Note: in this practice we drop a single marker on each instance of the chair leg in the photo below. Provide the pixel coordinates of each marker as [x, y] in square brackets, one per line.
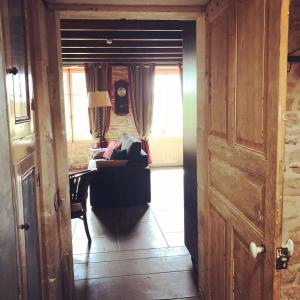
[86, 228]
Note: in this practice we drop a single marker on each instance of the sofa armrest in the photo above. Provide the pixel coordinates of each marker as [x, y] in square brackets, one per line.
[114, 163]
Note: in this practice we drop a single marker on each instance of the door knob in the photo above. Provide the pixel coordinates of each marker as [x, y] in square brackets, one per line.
[25, 226]
[255, 250]
[290, 246]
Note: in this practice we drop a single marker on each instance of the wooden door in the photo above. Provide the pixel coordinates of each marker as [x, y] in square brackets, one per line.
[247, 42]
[22, 141]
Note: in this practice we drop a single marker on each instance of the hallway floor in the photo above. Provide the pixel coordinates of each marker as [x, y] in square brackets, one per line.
[137, 253]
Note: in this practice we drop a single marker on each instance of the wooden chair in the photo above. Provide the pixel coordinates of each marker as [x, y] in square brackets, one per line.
[79, 184]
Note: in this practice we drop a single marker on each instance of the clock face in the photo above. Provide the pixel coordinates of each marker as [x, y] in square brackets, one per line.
[121, 91]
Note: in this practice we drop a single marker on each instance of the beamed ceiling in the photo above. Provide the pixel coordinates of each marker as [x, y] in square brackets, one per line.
[121, 41]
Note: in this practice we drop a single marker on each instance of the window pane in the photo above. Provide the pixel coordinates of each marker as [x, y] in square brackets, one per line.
[67, 105]
[76, 105]
[78, 82]
[167, 108]
[81, 128]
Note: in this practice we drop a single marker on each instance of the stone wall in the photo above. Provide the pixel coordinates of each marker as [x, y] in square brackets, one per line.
[291, 194]
[124, 123]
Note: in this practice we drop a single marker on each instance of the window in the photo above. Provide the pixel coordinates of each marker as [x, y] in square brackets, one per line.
[76, 104]
[167, 106]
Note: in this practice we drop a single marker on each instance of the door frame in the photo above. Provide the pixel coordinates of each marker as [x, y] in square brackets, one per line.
[57, 12]
[9, 280]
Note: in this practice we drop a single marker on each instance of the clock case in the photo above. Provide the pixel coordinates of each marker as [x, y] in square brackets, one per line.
[121, 101]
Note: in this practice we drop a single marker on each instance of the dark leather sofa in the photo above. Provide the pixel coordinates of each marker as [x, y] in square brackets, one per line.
[126, 185]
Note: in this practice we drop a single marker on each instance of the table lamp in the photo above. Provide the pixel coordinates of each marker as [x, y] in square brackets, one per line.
[99, 99]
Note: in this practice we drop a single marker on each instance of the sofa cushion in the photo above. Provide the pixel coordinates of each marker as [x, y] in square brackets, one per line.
[140, 161]
[119, 154]
[109, 150]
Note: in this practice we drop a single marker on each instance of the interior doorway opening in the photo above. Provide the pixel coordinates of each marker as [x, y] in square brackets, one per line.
[141, 230]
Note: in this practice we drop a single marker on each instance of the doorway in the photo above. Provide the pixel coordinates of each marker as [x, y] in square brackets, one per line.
[171, 238]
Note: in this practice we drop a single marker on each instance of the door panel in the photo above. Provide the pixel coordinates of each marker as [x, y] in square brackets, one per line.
[247, 273]
[31, 242]
[250, 85]
[218, 251]
[219, 65]
[245, 74]
[233, 182]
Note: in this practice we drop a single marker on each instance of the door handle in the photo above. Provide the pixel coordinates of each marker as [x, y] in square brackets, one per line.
[24, 226]
[290, 246]
[255, 250]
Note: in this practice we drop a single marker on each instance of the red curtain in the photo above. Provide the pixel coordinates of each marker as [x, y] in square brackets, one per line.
[141, 90]
[98, 78]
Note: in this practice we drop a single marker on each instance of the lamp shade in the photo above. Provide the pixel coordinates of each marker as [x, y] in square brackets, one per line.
[99, 99]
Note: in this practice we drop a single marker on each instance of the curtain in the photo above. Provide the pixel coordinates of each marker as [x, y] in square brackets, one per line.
[98, 78]
[141, 82]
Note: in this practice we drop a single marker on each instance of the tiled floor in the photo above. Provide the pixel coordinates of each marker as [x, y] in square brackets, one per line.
[137, 253]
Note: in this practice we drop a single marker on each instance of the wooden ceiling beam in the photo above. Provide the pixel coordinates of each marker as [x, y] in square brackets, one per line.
[120, 44]
[122, 35]
[129, 50]
[124, 57]
[123, 62]
[112, 25]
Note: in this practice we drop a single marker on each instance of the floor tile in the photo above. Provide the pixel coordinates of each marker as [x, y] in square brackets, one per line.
[170, 222]
[96, 229]
[175, 239]
[131, 254]
[132, 267]
[102, 244]
[138, 287]
[73, 225]
[146, 235]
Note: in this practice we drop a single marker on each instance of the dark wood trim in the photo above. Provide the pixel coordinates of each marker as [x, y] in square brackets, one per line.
[129, 50]
[122, 56]
[122, 35]
[168, 62]
[117, 43]
[125, 25]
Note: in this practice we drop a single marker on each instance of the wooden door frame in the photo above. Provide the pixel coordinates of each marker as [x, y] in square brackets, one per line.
[9, 280]
[57, 12]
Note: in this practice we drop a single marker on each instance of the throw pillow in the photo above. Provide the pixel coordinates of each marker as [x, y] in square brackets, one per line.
[109, 150]
[119, 154]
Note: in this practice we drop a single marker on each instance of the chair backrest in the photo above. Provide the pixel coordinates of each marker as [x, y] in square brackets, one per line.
[79, 184]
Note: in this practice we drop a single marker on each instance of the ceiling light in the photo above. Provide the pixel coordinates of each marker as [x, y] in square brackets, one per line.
[109, 41]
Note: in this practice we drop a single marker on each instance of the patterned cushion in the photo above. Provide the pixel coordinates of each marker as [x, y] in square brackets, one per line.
[109, 150]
